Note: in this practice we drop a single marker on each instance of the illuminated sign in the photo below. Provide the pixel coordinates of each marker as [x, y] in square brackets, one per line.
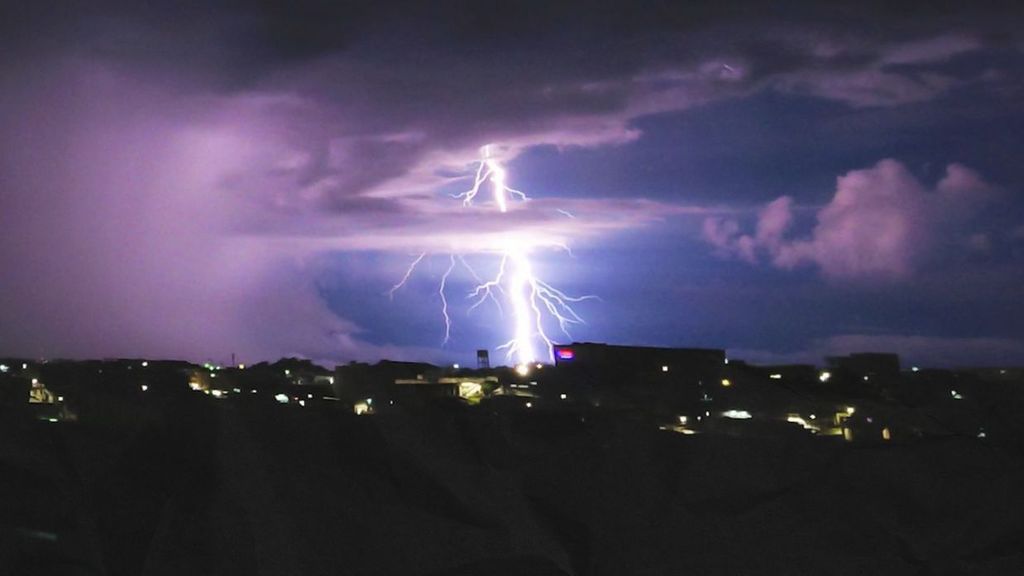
[565, 353]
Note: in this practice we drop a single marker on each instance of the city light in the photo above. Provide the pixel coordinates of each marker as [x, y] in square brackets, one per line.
[726, 383]
[470, 390]
[282, 398]
[775, 376]
[522, 369]
[145, 363]
[825, 376]
[796, 419]
[664, 368]
[144, 387]
[737, 414]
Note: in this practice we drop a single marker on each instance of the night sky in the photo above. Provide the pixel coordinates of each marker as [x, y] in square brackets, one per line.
[784, 181]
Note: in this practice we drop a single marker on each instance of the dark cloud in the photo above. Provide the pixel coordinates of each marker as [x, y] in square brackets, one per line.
[152, 152]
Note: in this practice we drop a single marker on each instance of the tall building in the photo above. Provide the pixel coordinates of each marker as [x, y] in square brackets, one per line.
[867, 365]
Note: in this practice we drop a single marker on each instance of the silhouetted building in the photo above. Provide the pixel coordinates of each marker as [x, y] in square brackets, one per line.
[867, 365]
[640, 360]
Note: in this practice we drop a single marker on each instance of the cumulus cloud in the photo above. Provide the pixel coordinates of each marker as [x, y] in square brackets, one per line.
[881, 224]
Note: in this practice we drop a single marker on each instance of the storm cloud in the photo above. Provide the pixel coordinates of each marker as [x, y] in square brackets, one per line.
[174, 177]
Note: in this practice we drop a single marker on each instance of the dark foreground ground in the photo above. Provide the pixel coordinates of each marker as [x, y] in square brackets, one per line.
[204, 486]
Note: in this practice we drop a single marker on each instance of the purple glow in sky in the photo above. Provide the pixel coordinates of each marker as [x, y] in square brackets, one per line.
[196, 181]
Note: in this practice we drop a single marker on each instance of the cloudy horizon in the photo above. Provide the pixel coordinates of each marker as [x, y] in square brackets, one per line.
[224, 178]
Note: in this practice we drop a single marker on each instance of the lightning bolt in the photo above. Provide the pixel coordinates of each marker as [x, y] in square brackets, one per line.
[531, 299]
[490, 169]
[444, 300]
[408, 273]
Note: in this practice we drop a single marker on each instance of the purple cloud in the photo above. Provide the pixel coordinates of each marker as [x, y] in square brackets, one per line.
[172, 183]
[881, 224]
